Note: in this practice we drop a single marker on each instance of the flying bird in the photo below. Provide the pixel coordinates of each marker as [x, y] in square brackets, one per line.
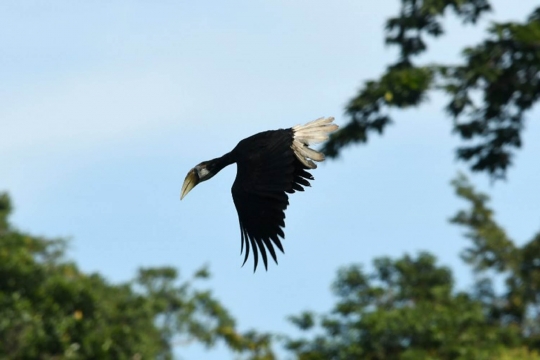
[270, 165]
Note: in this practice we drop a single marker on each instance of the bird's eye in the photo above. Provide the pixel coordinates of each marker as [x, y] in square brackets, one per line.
[202, 172]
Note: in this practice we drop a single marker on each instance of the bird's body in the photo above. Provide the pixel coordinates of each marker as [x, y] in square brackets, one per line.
[270, 165]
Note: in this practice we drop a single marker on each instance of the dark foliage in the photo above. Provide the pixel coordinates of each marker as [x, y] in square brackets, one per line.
[49, 309]
[408, 308]
[503, 71]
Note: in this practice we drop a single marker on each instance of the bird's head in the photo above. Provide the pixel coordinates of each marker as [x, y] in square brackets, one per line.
[199, 173]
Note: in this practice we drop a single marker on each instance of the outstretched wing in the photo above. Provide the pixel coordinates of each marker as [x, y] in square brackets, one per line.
[268, 169]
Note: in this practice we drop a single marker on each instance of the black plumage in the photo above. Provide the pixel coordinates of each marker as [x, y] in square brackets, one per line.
[270, 165]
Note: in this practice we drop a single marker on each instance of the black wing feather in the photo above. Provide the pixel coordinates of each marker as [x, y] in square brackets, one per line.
[267, 170]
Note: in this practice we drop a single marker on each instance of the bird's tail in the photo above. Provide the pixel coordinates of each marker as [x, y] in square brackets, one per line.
[313, 132]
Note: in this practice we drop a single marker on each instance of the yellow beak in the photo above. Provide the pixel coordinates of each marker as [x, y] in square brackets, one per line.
[191, 180]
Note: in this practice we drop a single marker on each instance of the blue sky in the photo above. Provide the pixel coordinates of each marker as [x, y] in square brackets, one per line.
[105, 106]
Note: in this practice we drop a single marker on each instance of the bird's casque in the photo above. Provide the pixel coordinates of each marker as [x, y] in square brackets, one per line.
[270, 165]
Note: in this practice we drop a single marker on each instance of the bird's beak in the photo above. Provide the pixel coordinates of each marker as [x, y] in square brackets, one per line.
[191, 180]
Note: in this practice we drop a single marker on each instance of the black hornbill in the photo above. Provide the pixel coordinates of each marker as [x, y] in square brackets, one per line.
[270, 164]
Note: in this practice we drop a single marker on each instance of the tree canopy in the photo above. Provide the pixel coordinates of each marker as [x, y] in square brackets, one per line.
[49, 309]
[405, 308]
[409, 308]
[489, 93]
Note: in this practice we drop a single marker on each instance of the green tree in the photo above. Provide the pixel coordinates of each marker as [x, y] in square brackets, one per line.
[49, 309]
[503, 71]
[494, 255]
[409, 309]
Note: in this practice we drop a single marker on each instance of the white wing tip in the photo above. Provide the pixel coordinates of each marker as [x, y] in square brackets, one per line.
[313, 132]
